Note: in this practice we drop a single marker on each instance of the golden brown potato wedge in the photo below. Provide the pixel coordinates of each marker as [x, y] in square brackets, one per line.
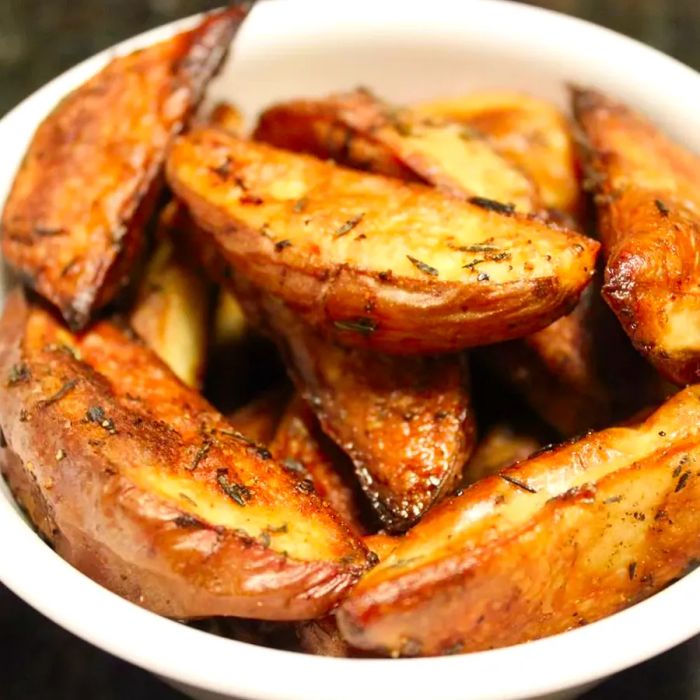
[300, 445]
[503, 444]
[171, 311]
[579, 373]
[406, 422]
[73, 222]
[122, 453]
[564, 538]
[531, 133]
[359, 130]
[648, 200]
[374, 260]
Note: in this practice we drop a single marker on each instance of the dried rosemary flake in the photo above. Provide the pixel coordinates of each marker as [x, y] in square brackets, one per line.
[238, 493]
[423, 267]
[661, 206]
[363, 325]
[61, 393]
[517, 483]
[348, 226]
[201, 453]
[493, 205]
[300, 205]
[281, 245]
[18, 373]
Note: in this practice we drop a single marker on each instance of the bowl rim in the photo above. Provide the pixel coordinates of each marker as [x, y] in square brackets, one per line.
[200, 660]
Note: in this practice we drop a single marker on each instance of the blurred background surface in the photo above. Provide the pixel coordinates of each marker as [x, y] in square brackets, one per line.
[40, 39]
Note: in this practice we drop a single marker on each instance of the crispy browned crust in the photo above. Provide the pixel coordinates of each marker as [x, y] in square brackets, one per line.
[73, 222]
[646, 192]
[562, 539]
[359, 130]
[413, 262]
[406, 422]
[125, 455]
[531, 133]
[310, 455]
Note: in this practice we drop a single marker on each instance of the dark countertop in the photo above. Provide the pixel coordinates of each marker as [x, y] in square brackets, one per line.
[39, 40]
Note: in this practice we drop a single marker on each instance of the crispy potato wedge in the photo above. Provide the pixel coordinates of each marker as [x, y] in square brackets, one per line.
[359, 130]
[376, 261]
[122, 458]
[531, 133]
[300, 445]
[648, 201]
[564, 538]
[73, 222]
[503, 444]
[406, 422]
[171, 311]
[579, 373]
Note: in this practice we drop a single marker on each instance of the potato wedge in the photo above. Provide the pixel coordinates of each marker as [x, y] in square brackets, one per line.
[564, 538]
[305, 451]
[406, 422]
[122, 458]
[531, 133]
[503, 444]
[73, 222]
[171, 311]
[359, 130]
[579, 373]
[648, 201]
[376, 261]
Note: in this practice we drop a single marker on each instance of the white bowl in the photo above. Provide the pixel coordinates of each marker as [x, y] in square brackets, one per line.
[407, 50]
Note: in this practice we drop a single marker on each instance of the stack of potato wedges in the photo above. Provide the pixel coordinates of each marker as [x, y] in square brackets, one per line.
[319, 385]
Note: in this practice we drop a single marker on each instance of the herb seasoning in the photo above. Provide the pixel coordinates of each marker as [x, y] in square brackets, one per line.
[423, 267]
[661, 206]
[61, 393]
[517, 483]
[362, 325]
[348, 226]
[238, 493]
[18, 373]
[201, 454]
[493, 205]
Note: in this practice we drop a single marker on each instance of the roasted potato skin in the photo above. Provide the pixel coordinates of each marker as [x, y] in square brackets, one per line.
[127, 458]
[360, 130]
[648, 205]
[406, 422]
[300, 444]
[73, 222]
[531, 133]
[564, 538]
[330, 280]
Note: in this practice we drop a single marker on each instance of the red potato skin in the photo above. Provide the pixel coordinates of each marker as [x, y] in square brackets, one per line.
[73, 224]
[583, 554]
[156, 551]
[326, 293]
[648, 203]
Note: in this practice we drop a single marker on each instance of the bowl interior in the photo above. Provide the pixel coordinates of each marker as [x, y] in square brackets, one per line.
[405, 51]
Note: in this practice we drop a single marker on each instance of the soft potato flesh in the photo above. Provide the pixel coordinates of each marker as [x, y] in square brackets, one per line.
[171, 312]
[153, 493]
[73, 222]
[531, 133]
[564, 538]
[393, 140]
[378, 261]
[648, 199]
[300, 444]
